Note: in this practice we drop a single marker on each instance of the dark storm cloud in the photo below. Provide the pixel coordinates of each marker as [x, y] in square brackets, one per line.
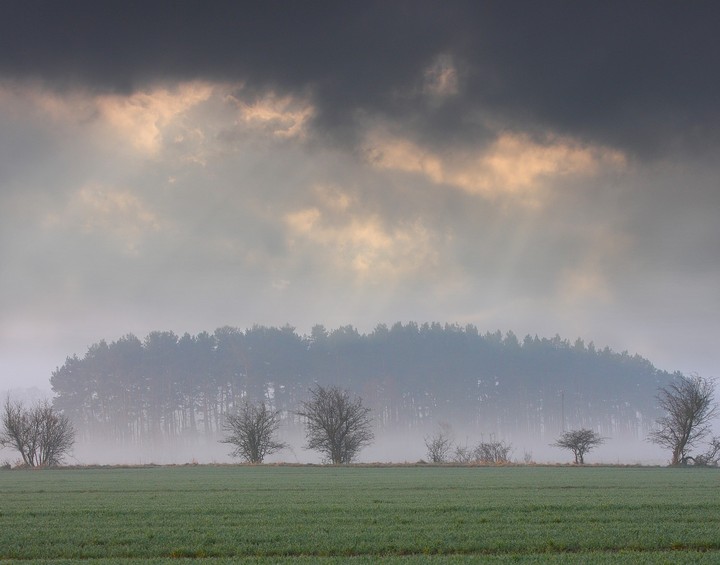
[640, 76]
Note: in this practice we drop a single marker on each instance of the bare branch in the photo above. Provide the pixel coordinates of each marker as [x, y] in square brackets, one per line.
[689, 408]
[252, 429]
[440, 444]
[41, 435]
[336, 425]
[493, 452]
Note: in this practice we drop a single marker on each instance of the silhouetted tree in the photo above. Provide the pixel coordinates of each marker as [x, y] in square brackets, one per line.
[252, 431]
[439, 444]
[493, 452]
[711, 458]
[579, 442]
[689, 407]
[41, 435]
[336, 425]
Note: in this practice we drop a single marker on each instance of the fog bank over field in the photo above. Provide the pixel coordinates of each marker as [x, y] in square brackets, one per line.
[169, 390]
[388, 448]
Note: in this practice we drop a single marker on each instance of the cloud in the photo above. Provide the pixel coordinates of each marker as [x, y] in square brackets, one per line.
[142, 116]
[362, 245]
[512, 165]
[441, 78]
[100, 211]
[582, 72]
[186, 117]
[281, 116]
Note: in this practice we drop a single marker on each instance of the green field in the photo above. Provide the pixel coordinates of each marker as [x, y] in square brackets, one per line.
[277, 514]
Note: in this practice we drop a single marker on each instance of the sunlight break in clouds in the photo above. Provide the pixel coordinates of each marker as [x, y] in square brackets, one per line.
[364, 246]
[154, 118]
[283, 117]
[142, 116]
[140, 119]
[513, 165]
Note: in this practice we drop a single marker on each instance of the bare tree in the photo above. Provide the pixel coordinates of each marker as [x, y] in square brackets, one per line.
[493, 452]
[579, 442]
[336, 425]
[462, 454]
[689, 407]
[711, 458]
[439, 444]
[41, 435]
[252, 431]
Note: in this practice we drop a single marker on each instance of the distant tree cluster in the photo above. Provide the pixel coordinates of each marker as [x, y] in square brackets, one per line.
[168, 388]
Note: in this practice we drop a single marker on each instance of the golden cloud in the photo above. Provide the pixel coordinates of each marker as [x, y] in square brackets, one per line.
[281, 116]
[156, 118]
[141, 117]
[514, 164]
[362, 245]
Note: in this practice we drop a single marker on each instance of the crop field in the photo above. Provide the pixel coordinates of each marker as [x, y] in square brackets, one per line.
[283, 514]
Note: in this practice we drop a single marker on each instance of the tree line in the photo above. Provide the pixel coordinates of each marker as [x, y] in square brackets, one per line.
[339, 427]
[168, 387]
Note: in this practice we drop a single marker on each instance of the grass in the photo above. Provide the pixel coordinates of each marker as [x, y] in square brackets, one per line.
[272, 514]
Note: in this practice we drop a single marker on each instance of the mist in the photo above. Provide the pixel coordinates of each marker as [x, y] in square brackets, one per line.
[389, 447]
[527, 171]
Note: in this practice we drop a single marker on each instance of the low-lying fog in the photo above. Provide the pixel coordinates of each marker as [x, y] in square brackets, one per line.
[388, 447]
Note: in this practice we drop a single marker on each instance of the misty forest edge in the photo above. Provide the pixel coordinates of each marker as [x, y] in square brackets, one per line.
[168, 388]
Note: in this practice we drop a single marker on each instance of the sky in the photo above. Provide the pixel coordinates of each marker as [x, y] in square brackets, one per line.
[536, 167]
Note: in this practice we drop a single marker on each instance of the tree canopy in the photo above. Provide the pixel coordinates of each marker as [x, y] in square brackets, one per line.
[579, 442]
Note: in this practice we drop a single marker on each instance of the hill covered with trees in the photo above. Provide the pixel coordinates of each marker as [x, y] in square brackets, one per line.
[169, 388]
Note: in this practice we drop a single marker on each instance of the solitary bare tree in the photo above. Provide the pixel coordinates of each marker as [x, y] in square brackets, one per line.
[579, 442]
[252, 431]
[336, 425]
[41, 435]
[689, 408]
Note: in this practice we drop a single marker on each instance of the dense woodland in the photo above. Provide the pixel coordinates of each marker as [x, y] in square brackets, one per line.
[168, 388]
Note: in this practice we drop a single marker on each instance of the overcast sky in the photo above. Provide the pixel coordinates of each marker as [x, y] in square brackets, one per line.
[541, 167]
